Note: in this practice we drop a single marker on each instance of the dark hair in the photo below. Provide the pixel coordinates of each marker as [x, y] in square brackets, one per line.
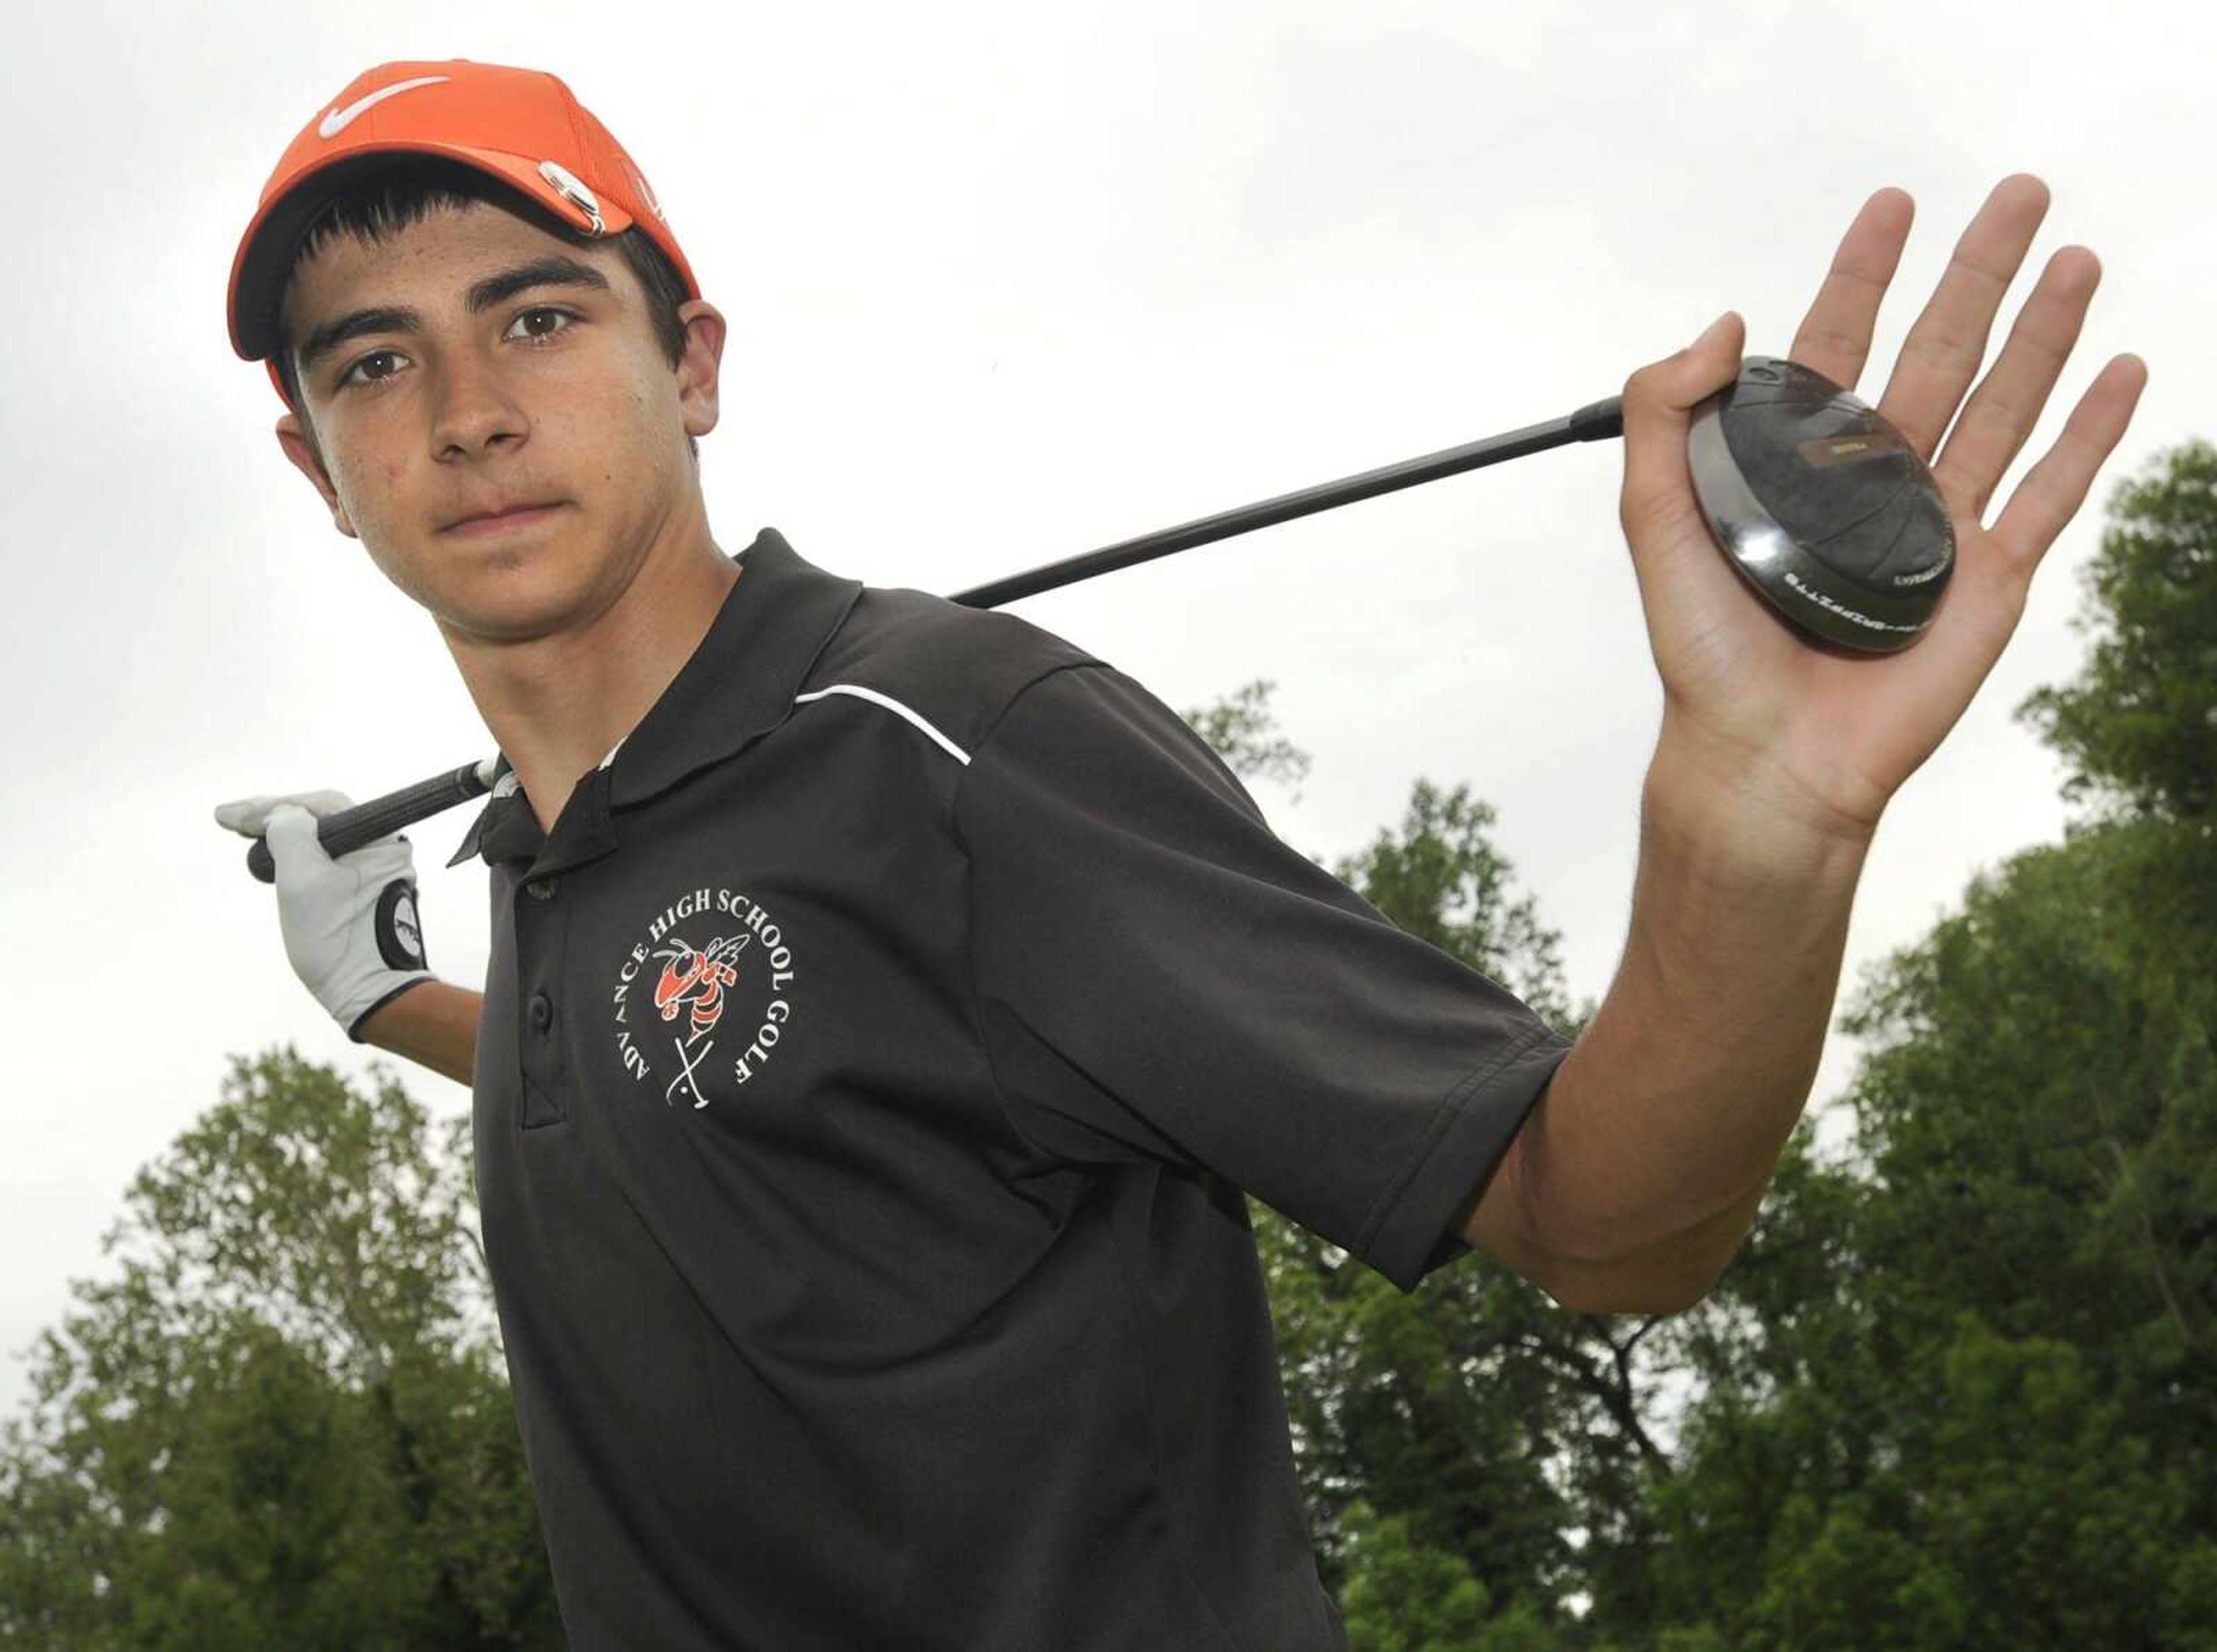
[405, 192]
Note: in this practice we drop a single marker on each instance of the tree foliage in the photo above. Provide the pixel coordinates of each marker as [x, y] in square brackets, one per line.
[2139, 729]
[285, 1423]
[1245, 733]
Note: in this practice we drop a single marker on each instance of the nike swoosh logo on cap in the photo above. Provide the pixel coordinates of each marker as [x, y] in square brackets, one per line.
[339, 120]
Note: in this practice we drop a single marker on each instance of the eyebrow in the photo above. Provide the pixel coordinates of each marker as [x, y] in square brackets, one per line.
[552, 271]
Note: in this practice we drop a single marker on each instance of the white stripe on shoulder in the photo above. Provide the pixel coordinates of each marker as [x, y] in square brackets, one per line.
[893, 706]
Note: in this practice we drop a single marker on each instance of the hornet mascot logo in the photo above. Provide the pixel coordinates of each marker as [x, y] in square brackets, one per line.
[695, 980]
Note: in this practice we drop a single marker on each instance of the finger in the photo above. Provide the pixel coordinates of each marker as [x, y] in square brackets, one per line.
[2051, 491]
[2007, 404]
[244, 815]
[1658, 409]
[1941, 354]
[1835, 337]
[250, 816]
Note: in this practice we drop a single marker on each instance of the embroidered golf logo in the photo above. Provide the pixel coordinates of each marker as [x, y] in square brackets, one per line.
[733, 957]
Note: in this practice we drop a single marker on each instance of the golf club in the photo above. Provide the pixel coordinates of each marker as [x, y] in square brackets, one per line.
[1827, 512]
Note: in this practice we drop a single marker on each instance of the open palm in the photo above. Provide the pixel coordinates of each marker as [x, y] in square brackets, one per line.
[1832, 736]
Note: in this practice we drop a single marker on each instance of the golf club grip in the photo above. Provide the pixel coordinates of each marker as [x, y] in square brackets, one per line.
[381, 817]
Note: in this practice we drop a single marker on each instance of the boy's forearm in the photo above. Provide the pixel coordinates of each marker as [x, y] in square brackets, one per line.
[434, 1024]
[1664, 1127]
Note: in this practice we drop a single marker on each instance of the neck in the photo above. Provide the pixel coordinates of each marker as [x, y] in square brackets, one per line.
[557, 704]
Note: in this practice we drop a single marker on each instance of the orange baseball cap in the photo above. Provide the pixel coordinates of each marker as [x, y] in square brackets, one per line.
[521, 126]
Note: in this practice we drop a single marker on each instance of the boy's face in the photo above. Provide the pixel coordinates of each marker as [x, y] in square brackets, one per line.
[554, 393]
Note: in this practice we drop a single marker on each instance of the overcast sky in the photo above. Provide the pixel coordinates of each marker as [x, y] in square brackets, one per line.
[1005, 283]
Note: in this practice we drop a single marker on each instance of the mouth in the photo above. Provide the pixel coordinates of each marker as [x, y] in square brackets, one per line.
[502, 522]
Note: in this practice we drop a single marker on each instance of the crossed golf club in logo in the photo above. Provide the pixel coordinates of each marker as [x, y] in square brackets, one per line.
[695, 979]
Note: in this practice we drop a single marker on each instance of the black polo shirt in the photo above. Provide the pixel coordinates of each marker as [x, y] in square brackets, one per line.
[875, 1056]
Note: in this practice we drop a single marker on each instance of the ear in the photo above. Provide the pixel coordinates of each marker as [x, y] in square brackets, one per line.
[293, 439]
[698, 367]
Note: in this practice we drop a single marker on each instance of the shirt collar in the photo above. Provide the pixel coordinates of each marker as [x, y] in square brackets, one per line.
[738, 684]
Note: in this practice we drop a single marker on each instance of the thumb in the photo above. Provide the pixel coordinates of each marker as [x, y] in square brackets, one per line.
[1658, 409]
[292, 836]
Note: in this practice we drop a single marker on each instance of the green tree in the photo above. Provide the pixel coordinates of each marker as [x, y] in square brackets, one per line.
[1960, 1394]
[286, 1423]
[2139, 729]
[1245, 732]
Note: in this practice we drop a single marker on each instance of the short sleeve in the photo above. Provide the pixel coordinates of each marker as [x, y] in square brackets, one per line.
[1158, 977]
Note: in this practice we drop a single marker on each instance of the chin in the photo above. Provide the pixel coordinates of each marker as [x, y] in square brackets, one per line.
[518, 591]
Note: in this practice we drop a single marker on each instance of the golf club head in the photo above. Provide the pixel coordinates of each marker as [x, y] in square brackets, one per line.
[1823, 507]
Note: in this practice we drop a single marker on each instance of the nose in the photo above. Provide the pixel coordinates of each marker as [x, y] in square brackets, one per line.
[473, 410]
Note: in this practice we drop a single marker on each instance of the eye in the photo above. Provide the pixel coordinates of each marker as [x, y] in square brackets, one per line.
[564, 316]
[348, 376]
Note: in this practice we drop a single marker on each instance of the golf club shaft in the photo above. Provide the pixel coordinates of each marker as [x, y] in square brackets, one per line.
[350, 829]
[1588, 424]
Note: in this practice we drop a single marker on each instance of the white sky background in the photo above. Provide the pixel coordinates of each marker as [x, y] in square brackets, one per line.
[1006, 283]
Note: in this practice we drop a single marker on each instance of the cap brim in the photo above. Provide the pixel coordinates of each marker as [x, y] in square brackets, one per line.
[264, 258]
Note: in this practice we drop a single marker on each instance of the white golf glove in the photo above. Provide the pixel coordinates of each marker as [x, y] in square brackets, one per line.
[350, 924]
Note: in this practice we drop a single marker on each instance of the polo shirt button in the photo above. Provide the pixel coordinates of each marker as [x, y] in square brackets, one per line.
[542, 888]
[542, 1011]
